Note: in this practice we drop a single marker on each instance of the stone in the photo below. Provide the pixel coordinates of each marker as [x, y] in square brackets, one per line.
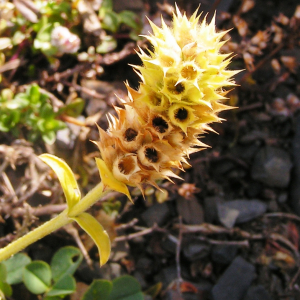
[156, 214]
[235, 281]
[295, 184]
[190, 210]
[195, 249]
[257, 293]
[272, 166]
[240, 211]
[167, 275]
[223, 254]
[210, 209]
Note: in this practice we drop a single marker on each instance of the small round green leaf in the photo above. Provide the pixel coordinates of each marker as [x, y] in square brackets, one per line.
[66, 285]
[126, 288]
[6, 289]
[98, 290]
[15, 266]
[108, 44]
[65, 261]
[37, 277]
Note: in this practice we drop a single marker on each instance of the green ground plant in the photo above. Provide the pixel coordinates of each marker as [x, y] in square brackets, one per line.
[56, 280]
[30, 114]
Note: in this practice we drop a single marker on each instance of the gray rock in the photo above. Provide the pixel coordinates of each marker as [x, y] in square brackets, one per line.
[239, 211]
[167, 275]
[227, 215]
[295, 185]
[195, 249]
[173, 295]
[272, 167]
[223, 254]
[257, 293]
[156, 214]
[169, 245]
[210, 209]
[235, 281]
[190, 210]
[253, 136]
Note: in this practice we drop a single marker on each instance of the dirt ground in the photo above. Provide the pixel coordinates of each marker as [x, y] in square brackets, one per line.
[230, 230]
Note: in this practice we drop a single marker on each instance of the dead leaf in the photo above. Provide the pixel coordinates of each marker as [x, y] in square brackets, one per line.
[28, 10]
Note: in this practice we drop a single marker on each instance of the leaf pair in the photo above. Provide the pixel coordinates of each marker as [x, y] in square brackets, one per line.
[73, 196]
[55, 280]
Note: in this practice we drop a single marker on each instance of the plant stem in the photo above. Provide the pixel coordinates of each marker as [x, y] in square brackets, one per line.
[59, 221]
[34, 235]
[88, 200]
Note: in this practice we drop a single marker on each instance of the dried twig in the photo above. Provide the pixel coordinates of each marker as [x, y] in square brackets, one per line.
[86, 90]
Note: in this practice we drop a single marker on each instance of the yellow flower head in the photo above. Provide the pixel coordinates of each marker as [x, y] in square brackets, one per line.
[182, 91]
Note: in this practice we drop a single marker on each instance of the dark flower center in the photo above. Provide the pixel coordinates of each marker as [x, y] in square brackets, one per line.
[130, 135]
[174, 88]
[181, 114]
[160, 124]
[151, 154]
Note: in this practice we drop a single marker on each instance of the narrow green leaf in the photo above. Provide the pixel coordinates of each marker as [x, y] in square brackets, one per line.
[98, 290]
[95, 230]
[126, 288]
[110, 21]
[75, 108]
[15, 266]
[34, 93]
[130, 19]
[66, 178]
[66, 285]
[49, 137]
[65, 261]
[107, 5]
[37, 277]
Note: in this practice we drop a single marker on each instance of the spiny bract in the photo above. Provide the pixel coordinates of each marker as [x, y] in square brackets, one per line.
[180, 94]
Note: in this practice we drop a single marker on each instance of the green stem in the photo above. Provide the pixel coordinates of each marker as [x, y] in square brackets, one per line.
[88, 200]
[34, 235]
[59, 221]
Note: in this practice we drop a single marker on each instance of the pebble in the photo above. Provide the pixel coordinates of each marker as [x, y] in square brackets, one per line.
[272, 166]
[195, 249]
[156, 214]
[257, 293]
[235, 281]
[167, 275]
[210, 209]
[295, 184]
[223, 254]
[190, 210]
[240, 211]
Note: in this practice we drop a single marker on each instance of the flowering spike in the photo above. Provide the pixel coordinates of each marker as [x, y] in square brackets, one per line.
[180, 94]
